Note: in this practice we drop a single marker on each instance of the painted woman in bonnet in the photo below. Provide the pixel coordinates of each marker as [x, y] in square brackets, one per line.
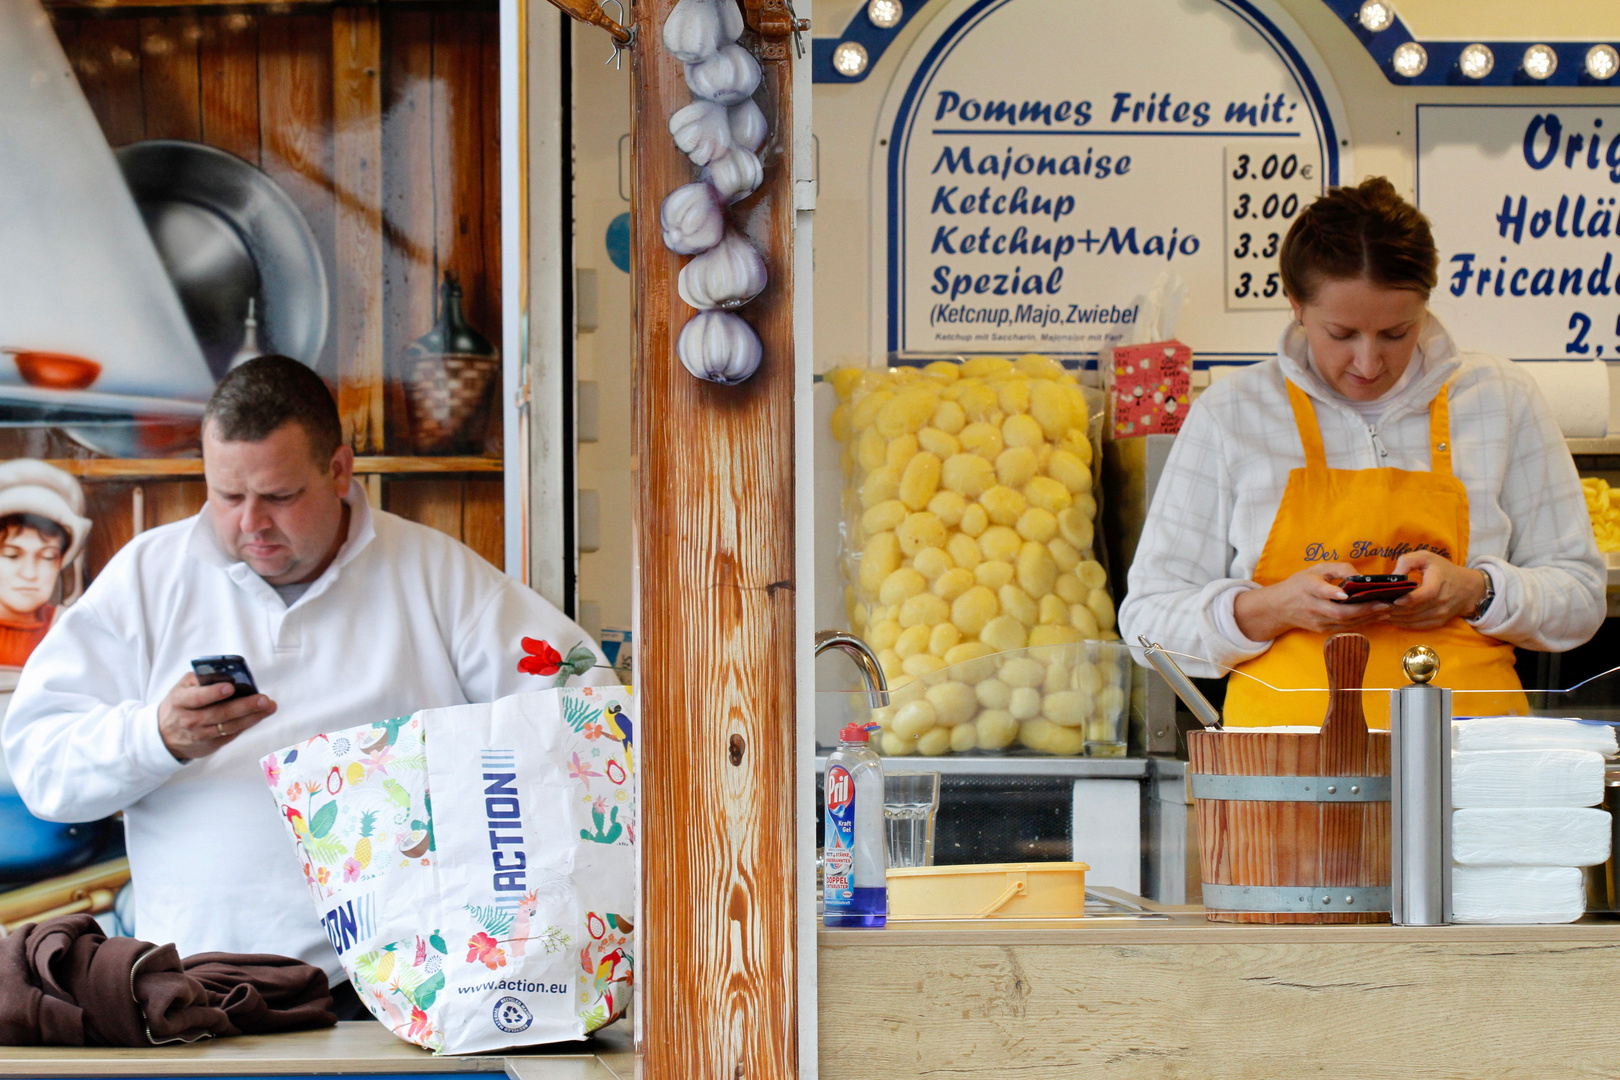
[42, 531]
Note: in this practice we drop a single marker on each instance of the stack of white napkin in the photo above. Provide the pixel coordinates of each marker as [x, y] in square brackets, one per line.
[1532, 733]
[1521, 830]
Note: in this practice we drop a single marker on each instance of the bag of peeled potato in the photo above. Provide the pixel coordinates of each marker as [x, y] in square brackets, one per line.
[477, 884]
[969, 522]
[1604, 510]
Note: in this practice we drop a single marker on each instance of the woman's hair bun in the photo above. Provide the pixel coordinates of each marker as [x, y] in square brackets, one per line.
[1366, 231]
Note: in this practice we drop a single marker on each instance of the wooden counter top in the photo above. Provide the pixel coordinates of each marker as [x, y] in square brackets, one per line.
[362, 1046]
[1185, 998]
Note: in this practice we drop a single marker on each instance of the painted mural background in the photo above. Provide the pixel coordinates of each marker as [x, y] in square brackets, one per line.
[186, 188]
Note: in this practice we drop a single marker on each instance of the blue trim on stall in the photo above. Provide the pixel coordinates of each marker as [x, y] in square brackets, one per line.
[874, 39]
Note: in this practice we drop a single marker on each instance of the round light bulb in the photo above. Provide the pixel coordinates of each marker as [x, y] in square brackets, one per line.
[1375, 16]
[1476, 61]
[1602, 61]
[885, 14]
[1540, 62]
[1410, 59]
[849, 59]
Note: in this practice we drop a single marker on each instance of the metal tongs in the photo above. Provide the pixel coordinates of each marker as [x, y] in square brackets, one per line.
[1189, 694]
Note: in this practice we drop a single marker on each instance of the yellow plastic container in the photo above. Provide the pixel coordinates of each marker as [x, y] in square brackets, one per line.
[1047, 890]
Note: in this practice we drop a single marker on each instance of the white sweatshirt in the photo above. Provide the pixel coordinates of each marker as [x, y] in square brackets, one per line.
[1224, 480]
[405, 618]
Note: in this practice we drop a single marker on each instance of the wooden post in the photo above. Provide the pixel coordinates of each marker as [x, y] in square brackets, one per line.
[715, 633]
[357, 176]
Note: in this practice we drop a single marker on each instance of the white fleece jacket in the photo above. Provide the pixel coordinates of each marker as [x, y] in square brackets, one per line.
[1224, 480]
[405, 618]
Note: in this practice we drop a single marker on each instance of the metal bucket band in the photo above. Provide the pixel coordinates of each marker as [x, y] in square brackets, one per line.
[1296, 898]
[1324, 789]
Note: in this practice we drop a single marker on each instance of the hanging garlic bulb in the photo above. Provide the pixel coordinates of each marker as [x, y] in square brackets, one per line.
[728, 275]
[735, 175]
[720, 132]
[693, 218]
[720, 347]
[697, 29]
[702, 130]
[730, 76]
[731, 20]
[748, 126]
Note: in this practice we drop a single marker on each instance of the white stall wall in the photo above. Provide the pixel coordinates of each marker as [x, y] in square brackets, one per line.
[601, 122]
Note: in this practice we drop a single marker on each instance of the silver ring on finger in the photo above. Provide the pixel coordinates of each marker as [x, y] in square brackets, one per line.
[221, 730]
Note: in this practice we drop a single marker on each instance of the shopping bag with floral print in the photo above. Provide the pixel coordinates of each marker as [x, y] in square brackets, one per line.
[474, 866]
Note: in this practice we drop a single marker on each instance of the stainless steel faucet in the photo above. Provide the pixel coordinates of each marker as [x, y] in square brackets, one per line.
[877, 687]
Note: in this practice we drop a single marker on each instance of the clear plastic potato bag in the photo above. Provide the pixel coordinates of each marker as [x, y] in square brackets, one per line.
[474, 866]
[970, 512]
[1062, 700]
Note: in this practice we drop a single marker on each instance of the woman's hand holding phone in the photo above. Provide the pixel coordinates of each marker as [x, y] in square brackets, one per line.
[1448, 591]
[1310, 599]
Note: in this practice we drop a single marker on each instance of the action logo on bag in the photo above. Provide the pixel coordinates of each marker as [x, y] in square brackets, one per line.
[511, 1015]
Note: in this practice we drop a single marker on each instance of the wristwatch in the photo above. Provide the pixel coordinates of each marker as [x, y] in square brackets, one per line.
[1485, 603]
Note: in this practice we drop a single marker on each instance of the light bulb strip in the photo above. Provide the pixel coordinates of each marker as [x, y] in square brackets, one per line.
[1441, 69]
[1511, 62]
[1446, 64]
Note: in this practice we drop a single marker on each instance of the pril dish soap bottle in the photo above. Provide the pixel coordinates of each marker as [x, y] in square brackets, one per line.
[854, 887]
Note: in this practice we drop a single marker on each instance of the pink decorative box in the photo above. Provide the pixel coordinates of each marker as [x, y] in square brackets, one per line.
[1152, 388]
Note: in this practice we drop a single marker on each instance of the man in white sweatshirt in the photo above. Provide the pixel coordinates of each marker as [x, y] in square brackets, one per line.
[344, 613]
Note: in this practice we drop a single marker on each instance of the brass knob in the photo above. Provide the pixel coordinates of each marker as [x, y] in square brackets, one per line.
[1420, 663]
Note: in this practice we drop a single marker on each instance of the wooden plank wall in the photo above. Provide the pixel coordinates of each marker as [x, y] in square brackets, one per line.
[381, 123]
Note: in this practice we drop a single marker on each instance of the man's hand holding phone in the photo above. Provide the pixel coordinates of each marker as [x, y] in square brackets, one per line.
[197, 718]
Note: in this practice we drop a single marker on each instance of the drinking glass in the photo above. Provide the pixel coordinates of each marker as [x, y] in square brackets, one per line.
[910, 800]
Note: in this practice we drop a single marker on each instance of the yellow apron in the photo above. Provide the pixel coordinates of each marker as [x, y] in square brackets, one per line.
[1368, 517]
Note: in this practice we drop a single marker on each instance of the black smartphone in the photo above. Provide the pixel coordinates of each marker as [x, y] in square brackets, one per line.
[232, 669]
[1368, 588]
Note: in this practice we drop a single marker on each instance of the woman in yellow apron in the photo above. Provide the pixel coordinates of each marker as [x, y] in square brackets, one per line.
[1441, 466]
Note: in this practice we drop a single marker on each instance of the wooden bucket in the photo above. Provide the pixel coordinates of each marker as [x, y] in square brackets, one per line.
[1294, 827]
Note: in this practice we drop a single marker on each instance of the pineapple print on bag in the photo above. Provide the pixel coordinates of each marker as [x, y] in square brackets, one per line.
[362, 846]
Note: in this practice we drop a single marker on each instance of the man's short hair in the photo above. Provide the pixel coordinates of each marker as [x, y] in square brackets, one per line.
[255, 399]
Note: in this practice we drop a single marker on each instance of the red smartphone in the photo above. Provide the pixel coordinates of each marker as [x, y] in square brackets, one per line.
[1373, 588]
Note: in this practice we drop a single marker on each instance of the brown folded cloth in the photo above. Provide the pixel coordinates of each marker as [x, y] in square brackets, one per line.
[62, 983]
